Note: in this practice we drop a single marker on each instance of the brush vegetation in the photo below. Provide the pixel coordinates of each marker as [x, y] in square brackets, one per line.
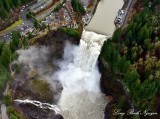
[7, 55]
[7, 5]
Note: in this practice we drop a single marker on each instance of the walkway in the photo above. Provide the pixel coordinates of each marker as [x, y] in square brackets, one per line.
[128, 11]
[3, 112]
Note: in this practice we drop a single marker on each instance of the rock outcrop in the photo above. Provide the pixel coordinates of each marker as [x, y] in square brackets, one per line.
[114, 89]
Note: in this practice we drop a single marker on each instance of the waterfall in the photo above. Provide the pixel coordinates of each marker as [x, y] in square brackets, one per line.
[39, 104]
[89, 50]
[81, 97]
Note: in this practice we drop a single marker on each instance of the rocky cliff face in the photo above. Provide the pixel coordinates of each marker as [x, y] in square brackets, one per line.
[114, 89]
[33, 112]
[29, 84]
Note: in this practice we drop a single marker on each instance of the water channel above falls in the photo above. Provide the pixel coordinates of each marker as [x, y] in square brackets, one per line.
[103, 19]
[81, 97]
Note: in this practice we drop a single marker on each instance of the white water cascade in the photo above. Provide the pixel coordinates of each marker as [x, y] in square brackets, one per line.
[81, 97]
[89, 50]
[39, 104]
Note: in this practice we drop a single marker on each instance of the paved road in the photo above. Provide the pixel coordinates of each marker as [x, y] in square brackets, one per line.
[94, 6]
[93, 9]
[128, 11]
[7, 36]
[3, 112]
[47, 12]
[26, 22]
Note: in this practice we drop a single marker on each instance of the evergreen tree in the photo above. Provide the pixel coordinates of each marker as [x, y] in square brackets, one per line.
[5, 55]
[4, 76]
[15, 38]
[1, 47]
[10, 3]
[116, 35]
[6, 5]
[25, 42]
[36, 24]
[123, 65]
[3, 13]
[140, 36]
[14, 44]
[129, 35]
[78, 7]
[16, 2]
[146, 2]
[131, 78]
[138, 28]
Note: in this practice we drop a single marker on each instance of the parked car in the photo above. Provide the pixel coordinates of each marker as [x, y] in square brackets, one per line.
[119, 18]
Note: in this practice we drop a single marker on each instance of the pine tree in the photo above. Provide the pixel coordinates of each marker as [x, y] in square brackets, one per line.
[134, 28]
[131, 78]
[116, 35]
[25, 42]
[16, 2]
[1, 46]
[5, 56]
[4, 76]
[10, 3]
[146, 2]
[6, 5]
[3, 13]
[140, 36]
[138, 28]
[123, 65]
[15, 40]
[36, 24]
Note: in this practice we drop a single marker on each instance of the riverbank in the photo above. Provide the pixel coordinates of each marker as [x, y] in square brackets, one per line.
[113, 88]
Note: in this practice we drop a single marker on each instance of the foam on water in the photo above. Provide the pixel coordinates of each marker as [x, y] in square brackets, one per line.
[81, 97]
[39, 104]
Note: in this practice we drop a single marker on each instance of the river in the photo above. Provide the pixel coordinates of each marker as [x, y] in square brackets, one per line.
[81, 97]
[103, 19]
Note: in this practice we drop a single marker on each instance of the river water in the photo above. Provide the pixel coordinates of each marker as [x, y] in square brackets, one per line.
[103, 19]
[81, 97]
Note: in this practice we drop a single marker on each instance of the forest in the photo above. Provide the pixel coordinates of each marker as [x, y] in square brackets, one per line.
[133, 54]
[7, 5]
[7, 55]
[78, 7]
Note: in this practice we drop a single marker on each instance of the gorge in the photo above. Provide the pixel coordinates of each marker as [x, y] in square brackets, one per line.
[81, 96]
[79, 75]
